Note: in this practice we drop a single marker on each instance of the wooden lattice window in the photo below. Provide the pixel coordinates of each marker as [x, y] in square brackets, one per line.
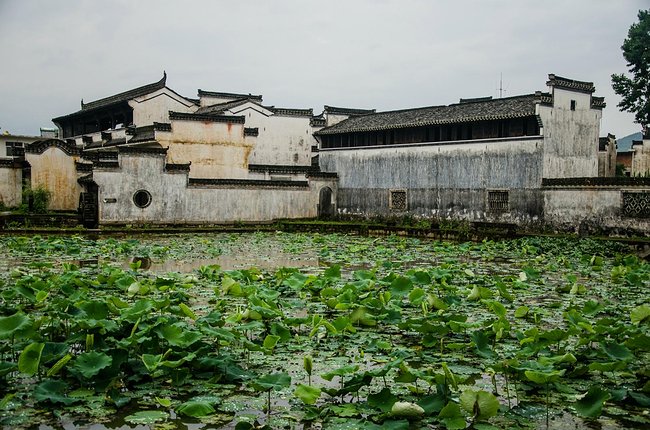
[498, 201]
[636, 205]
[397, 200]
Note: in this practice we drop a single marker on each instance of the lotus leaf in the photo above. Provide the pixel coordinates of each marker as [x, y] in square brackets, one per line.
[591, 405]
[480, 404]
[308, 394]
[91, 363]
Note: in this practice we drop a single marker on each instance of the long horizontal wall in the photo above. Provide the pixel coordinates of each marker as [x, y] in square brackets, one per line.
[174, 200]
[452, 180]
[617, 209]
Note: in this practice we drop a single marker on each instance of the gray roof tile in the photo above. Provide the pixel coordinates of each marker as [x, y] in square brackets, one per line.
[468, 111]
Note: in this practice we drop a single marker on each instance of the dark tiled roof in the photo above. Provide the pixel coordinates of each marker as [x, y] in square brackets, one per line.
[570, 84]
[476, 99]
[229, 95]
[162, 126]
[291, 111]
[40, 146]
[323, 175]
[220, 108]
[106, 143]
[598, 102]
[600, 181]
[117, 98]
[126, 95]
[318, 121]
[279, 168]
[142, 150]
[11, 163]
[505, 108]
[99, 155]
[346, 111]
[142, 134]
[229, 183]
[106, 164]
[83, 167]
[177, 167]
[86, 179]
[182, 116]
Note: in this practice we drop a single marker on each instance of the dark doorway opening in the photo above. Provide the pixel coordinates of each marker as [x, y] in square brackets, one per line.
[325, 204]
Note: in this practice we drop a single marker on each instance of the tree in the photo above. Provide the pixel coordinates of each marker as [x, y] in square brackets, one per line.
[635, 91]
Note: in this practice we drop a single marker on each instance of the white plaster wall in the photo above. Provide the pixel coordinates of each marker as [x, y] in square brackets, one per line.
[10, 186]
[206, 100]
[215, 149]
[56, 171]
[570, 137]
[174, 202]
[641, 159]
[282, 140]
[155, 107]
[505, 163]
[597, 206]
[332, 119]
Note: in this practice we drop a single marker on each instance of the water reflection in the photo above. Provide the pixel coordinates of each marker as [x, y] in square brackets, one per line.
[226, 262]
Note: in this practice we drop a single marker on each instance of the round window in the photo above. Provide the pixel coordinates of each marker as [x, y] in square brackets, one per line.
[142, 198]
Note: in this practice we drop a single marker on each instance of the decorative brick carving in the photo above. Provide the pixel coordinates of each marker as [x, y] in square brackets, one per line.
[498, 201]
[397, 200]
[636, 205]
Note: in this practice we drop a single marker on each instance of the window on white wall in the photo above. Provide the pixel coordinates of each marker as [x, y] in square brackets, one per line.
[498, 201]
[14, 149]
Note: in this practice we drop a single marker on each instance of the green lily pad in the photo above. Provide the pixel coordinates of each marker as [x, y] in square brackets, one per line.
[480, 404]
[11, 325]
[147, 417]
[195, 409]
[640, 314]
[591, 405]
[91, 363]
[382, 400]
[30, 358]
[308, 394]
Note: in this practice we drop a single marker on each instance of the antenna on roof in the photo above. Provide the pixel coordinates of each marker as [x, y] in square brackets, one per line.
[501, 85]
[501, 89]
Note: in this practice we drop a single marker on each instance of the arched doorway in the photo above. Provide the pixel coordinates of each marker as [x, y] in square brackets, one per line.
[325, 205]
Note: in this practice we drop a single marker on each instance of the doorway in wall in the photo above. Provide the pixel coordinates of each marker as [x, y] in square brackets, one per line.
[325, 205]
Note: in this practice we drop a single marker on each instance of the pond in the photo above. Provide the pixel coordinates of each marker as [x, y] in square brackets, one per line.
[278, 330]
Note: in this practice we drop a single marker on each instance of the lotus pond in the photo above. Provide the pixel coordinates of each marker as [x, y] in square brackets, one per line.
[277, 330]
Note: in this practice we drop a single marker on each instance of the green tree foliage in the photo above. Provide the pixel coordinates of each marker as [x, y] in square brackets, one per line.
[635, 91]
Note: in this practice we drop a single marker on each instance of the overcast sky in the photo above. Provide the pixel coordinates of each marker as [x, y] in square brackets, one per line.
[381, 54]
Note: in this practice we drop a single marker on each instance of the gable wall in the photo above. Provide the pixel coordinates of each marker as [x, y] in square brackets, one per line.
[570, 136]
[155, 107]
[282, 140]
[56, 171]
[11, 180]
[215, 149]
